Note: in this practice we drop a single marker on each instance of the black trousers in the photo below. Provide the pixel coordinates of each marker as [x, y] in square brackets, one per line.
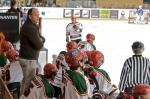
[77, 40]
[14, 88]
[58, 93]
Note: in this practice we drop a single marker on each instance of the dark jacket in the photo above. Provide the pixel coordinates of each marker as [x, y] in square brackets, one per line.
[17, 10]
[31, 41]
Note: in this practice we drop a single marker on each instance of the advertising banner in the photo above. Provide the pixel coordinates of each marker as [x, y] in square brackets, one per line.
[9, 25]
[68, 13]
[114, 14]
[77, 13]
[123, 14]
[95, 14]
[85, 13]
[105, 13]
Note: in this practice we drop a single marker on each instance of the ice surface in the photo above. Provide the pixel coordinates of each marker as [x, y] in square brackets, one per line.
[113, 38]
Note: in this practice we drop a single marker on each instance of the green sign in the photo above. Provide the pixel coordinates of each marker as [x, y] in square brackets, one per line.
[104, 13]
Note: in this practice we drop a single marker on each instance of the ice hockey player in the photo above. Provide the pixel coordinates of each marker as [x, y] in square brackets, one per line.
[14, 74]
[139, 14]
[88, 44]
[70, 46]
[103, 89]
[76, 85]
[62, 68]
[41, 87]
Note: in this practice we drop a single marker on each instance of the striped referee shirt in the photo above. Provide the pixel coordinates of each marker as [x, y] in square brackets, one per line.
[75, 33]
[136, 70]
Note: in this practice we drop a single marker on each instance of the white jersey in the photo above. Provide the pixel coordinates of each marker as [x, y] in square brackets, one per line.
[85, 46]
[38, 91]
[70, 92]
[105, 86]
[74, 31]
[35, 93]
[16, 74]
[62, 67]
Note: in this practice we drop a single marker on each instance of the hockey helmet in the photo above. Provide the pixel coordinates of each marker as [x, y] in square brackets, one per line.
[71, 45]
[6, 45]
[95, 58]
[74, 57]
[141, 90]
[11, 54]
[90, 37]
[50, 68]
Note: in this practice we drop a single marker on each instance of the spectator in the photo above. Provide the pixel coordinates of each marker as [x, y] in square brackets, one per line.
[31, 42]
[136, 69]
[73, 30]
[14, 9]
[12, 36]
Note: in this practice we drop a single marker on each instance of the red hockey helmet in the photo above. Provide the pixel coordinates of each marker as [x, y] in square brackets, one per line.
[6, 45]
[90, 37]
[71, 45]
[49, 68]
[11, 54]
[140, 90]
[95, 58]
[74, 57]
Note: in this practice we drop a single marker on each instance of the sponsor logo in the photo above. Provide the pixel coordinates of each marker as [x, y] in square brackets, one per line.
[9, 17]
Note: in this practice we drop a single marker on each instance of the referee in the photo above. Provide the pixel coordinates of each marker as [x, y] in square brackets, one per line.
[136, 69]
[74, 30]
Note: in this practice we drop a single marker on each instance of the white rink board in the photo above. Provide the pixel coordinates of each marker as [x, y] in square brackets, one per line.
[113, 38]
